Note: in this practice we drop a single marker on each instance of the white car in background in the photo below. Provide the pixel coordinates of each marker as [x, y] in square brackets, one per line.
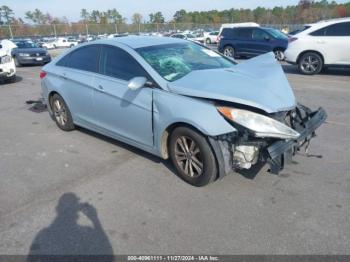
[187, 36]
[48, 44]
[326, 43]
[64, 42]
[211, 37]
[7, 65]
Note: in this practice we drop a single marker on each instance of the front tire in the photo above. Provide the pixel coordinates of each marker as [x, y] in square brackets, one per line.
[192, 157]
[310, 63]
[229, 51]
[61, 113]
[208, 41]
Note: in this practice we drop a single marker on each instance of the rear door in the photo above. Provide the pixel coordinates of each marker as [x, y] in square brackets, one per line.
[117, 109]
[333, 42]
[243, 39]
[75, 74]
[337, 40]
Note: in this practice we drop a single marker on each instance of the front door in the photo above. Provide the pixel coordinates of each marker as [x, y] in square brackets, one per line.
[117, 109]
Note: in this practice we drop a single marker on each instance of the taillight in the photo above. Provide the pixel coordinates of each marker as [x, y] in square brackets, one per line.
[292, 39]
[42, 74]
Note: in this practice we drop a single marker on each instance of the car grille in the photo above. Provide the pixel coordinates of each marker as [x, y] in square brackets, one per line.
[37, 54]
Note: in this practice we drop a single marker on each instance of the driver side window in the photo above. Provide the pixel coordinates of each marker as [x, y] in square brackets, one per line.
[117, 63]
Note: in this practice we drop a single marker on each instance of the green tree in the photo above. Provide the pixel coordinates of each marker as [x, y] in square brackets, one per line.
[84, 14]
[115, 17]
[136, 18]
[156, 18]
[6, 14]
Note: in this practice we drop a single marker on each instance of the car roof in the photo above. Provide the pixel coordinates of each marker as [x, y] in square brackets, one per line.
[141, 41]
[322, 24]
[244, 27]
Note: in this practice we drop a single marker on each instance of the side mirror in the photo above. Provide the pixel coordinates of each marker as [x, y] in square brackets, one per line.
[267, 38]
[137, 82]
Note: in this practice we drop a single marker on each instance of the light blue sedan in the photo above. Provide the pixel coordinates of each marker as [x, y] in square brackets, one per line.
[180, 100]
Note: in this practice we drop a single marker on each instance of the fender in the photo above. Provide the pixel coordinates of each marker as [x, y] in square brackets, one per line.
[170, 108]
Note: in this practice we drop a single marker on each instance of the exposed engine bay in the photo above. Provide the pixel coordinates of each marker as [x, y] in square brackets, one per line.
[243, 149]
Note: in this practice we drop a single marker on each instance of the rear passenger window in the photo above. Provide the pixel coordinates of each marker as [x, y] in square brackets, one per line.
[340, 29]
[117, 63]
[85, 58]
[227, 32]
[244, 33]
[319, 32]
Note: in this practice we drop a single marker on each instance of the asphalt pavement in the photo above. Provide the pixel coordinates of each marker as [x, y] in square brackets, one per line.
[79, 192]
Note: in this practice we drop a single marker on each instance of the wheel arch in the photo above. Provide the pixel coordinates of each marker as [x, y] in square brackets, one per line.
[223, 164]
[229, 45]
[165, 137]
[279, 48]
[310, 51]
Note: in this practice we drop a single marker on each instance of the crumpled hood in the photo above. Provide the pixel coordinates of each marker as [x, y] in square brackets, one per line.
[259, 82]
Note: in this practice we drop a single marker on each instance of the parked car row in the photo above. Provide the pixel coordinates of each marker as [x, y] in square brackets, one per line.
[17, 53]
[313, 48]
[61, 42]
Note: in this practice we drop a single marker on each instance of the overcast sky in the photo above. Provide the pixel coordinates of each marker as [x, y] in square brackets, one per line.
[71, 8]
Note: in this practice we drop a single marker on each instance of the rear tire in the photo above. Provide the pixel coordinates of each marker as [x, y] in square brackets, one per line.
[61, 113]
[208, 41]
[229, 51]
[279, 54]
[310, 63]
[192, 157]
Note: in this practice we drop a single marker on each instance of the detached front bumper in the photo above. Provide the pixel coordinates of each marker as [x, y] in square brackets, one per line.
[7, 70]
[281, 152]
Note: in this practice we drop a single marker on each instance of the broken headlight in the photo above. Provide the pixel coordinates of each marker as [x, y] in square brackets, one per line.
[261, 125]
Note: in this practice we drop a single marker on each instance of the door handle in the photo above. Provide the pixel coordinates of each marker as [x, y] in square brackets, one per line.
[63, 76]
[100, 88]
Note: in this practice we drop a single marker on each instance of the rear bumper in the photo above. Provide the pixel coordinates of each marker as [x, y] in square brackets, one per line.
[280, 152]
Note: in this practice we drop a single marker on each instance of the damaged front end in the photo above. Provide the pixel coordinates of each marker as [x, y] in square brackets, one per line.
[274, 144]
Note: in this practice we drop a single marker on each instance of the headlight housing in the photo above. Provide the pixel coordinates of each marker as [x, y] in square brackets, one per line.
[23, 54]
[261, 125]
[5, 59]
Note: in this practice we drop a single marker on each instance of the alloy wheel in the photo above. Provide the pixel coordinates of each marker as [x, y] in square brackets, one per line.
[188, 156]
[310, 64]
[279, 55]
[60, 112]
[229, 51]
